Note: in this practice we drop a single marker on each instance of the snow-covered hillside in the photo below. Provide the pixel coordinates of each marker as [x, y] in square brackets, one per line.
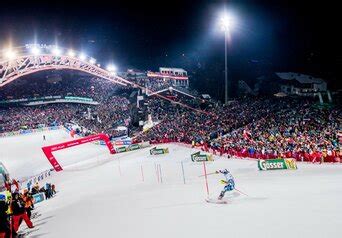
[102, 195]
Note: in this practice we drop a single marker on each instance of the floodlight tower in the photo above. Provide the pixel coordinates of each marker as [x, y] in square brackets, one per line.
[226, 23]
[112, 69]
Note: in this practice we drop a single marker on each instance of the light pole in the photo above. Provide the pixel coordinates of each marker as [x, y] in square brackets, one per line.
[226, 23]
[225, 70]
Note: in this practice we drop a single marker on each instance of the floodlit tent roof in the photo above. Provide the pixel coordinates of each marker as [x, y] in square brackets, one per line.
[301, 78]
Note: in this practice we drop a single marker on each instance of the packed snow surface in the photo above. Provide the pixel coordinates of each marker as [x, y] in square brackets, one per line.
[123, 195]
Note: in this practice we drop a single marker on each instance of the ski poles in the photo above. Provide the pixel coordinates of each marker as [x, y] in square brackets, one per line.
[241, 192]
[203, 175]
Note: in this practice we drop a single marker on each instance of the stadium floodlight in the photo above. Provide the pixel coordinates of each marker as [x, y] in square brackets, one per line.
[56, 51]
[82, 56]
[111, 68]
[227, 21]
[71, 53]
[10, 54]
[98, 65]
[92, 61]
[35, 51]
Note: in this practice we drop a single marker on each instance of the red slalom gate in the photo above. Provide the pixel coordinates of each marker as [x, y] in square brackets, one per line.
[51, 148]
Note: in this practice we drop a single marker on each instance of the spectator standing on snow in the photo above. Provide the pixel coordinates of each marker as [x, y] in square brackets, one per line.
[19, 212]
[48, 191]
[28, 199]
[35, 189]
[4, 223]
[53, 187]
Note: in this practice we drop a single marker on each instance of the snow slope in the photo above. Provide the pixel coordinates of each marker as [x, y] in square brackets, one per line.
[102, 195]
[22, 155]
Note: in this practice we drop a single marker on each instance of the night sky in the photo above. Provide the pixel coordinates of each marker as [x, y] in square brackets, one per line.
[272, 35]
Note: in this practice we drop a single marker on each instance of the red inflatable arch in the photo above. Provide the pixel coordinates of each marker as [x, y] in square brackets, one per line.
[51, 148]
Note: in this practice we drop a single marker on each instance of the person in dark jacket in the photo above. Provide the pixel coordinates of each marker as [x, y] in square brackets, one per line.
[29, 203]
[35, 189]
[4, 222]
[48, 191]
[53, 187]
[19, 212]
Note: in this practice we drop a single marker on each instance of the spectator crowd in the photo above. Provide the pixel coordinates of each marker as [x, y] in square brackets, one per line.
[260, 127]
[111, 112]
[16, 206]
[253, 127]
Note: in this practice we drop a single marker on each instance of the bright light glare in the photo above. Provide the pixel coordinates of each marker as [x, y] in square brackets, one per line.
[82, 56]
[35, 51]
[10, 54]
[227, 22]
[111, 68]
[71, 53]
[56, 51]
[92, 61]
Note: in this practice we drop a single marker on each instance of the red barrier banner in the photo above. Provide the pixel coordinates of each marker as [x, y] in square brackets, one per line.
[51, 148]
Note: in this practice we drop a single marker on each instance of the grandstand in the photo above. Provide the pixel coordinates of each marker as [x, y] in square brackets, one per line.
[212, 118]
[100, 106]
[135, 110]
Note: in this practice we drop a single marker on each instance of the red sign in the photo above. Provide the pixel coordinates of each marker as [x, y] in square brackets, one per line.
[51, 148]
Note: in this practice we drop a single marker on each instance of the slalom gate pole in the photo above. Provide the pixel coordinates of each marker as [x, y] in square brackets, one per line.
[142, 173]
[183, 172]
[157, 172]
[206, 178]
[241, 192]
[160, 172]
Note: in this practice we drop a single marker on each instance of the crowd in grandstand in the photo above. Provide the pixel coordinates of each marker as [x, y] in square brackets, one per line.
[103, 118]
[107, 116]
[301, 131]
[111, 112]
[90, 87]
[158, 84]
[263, 127]
[186, 125]
[22, 118]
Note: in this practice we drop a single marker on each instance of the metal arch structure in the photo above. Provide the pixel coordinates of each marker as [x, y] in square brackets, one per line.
[28, 63]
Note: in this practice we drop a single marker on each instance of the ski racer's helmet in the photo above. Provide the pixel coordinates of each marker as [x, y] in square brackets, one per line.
[225, 171]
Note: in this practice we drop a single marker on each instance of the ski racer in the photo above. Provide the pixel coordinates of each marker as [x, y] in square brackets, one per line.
[228, 182]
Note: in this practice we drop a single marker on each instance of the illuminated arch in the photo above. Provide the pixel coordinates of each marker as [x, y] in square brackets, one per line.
[25, 62]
